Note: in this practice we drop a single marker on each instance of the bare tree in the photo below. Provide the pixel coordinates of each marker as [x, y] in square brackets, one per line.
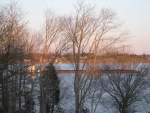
[51, 33]
[13, 43]
[89, 32]
[125, 83]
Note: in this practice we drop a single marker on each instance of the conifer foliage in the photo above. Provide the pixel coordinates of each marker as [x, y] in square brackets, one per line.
[51, 87]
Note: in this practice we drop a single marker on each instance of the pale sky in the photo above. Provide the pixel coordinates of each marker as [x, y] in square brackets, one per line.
[134, 13]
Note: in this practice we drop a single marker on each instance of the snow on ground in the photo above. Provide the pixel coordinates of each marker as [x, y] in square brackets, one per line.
[67, 96]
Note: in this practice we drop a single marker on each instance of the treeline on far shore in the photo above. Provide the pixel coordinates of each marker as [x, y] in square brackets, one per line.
[103, 58]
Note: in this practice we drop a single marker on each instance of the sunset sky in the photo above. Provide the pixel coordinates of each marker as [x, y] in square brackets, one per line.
[134, 13]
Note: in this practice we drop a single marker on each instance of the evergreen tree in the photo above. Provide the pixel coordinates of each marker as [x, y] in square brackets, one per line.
[51, 88]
